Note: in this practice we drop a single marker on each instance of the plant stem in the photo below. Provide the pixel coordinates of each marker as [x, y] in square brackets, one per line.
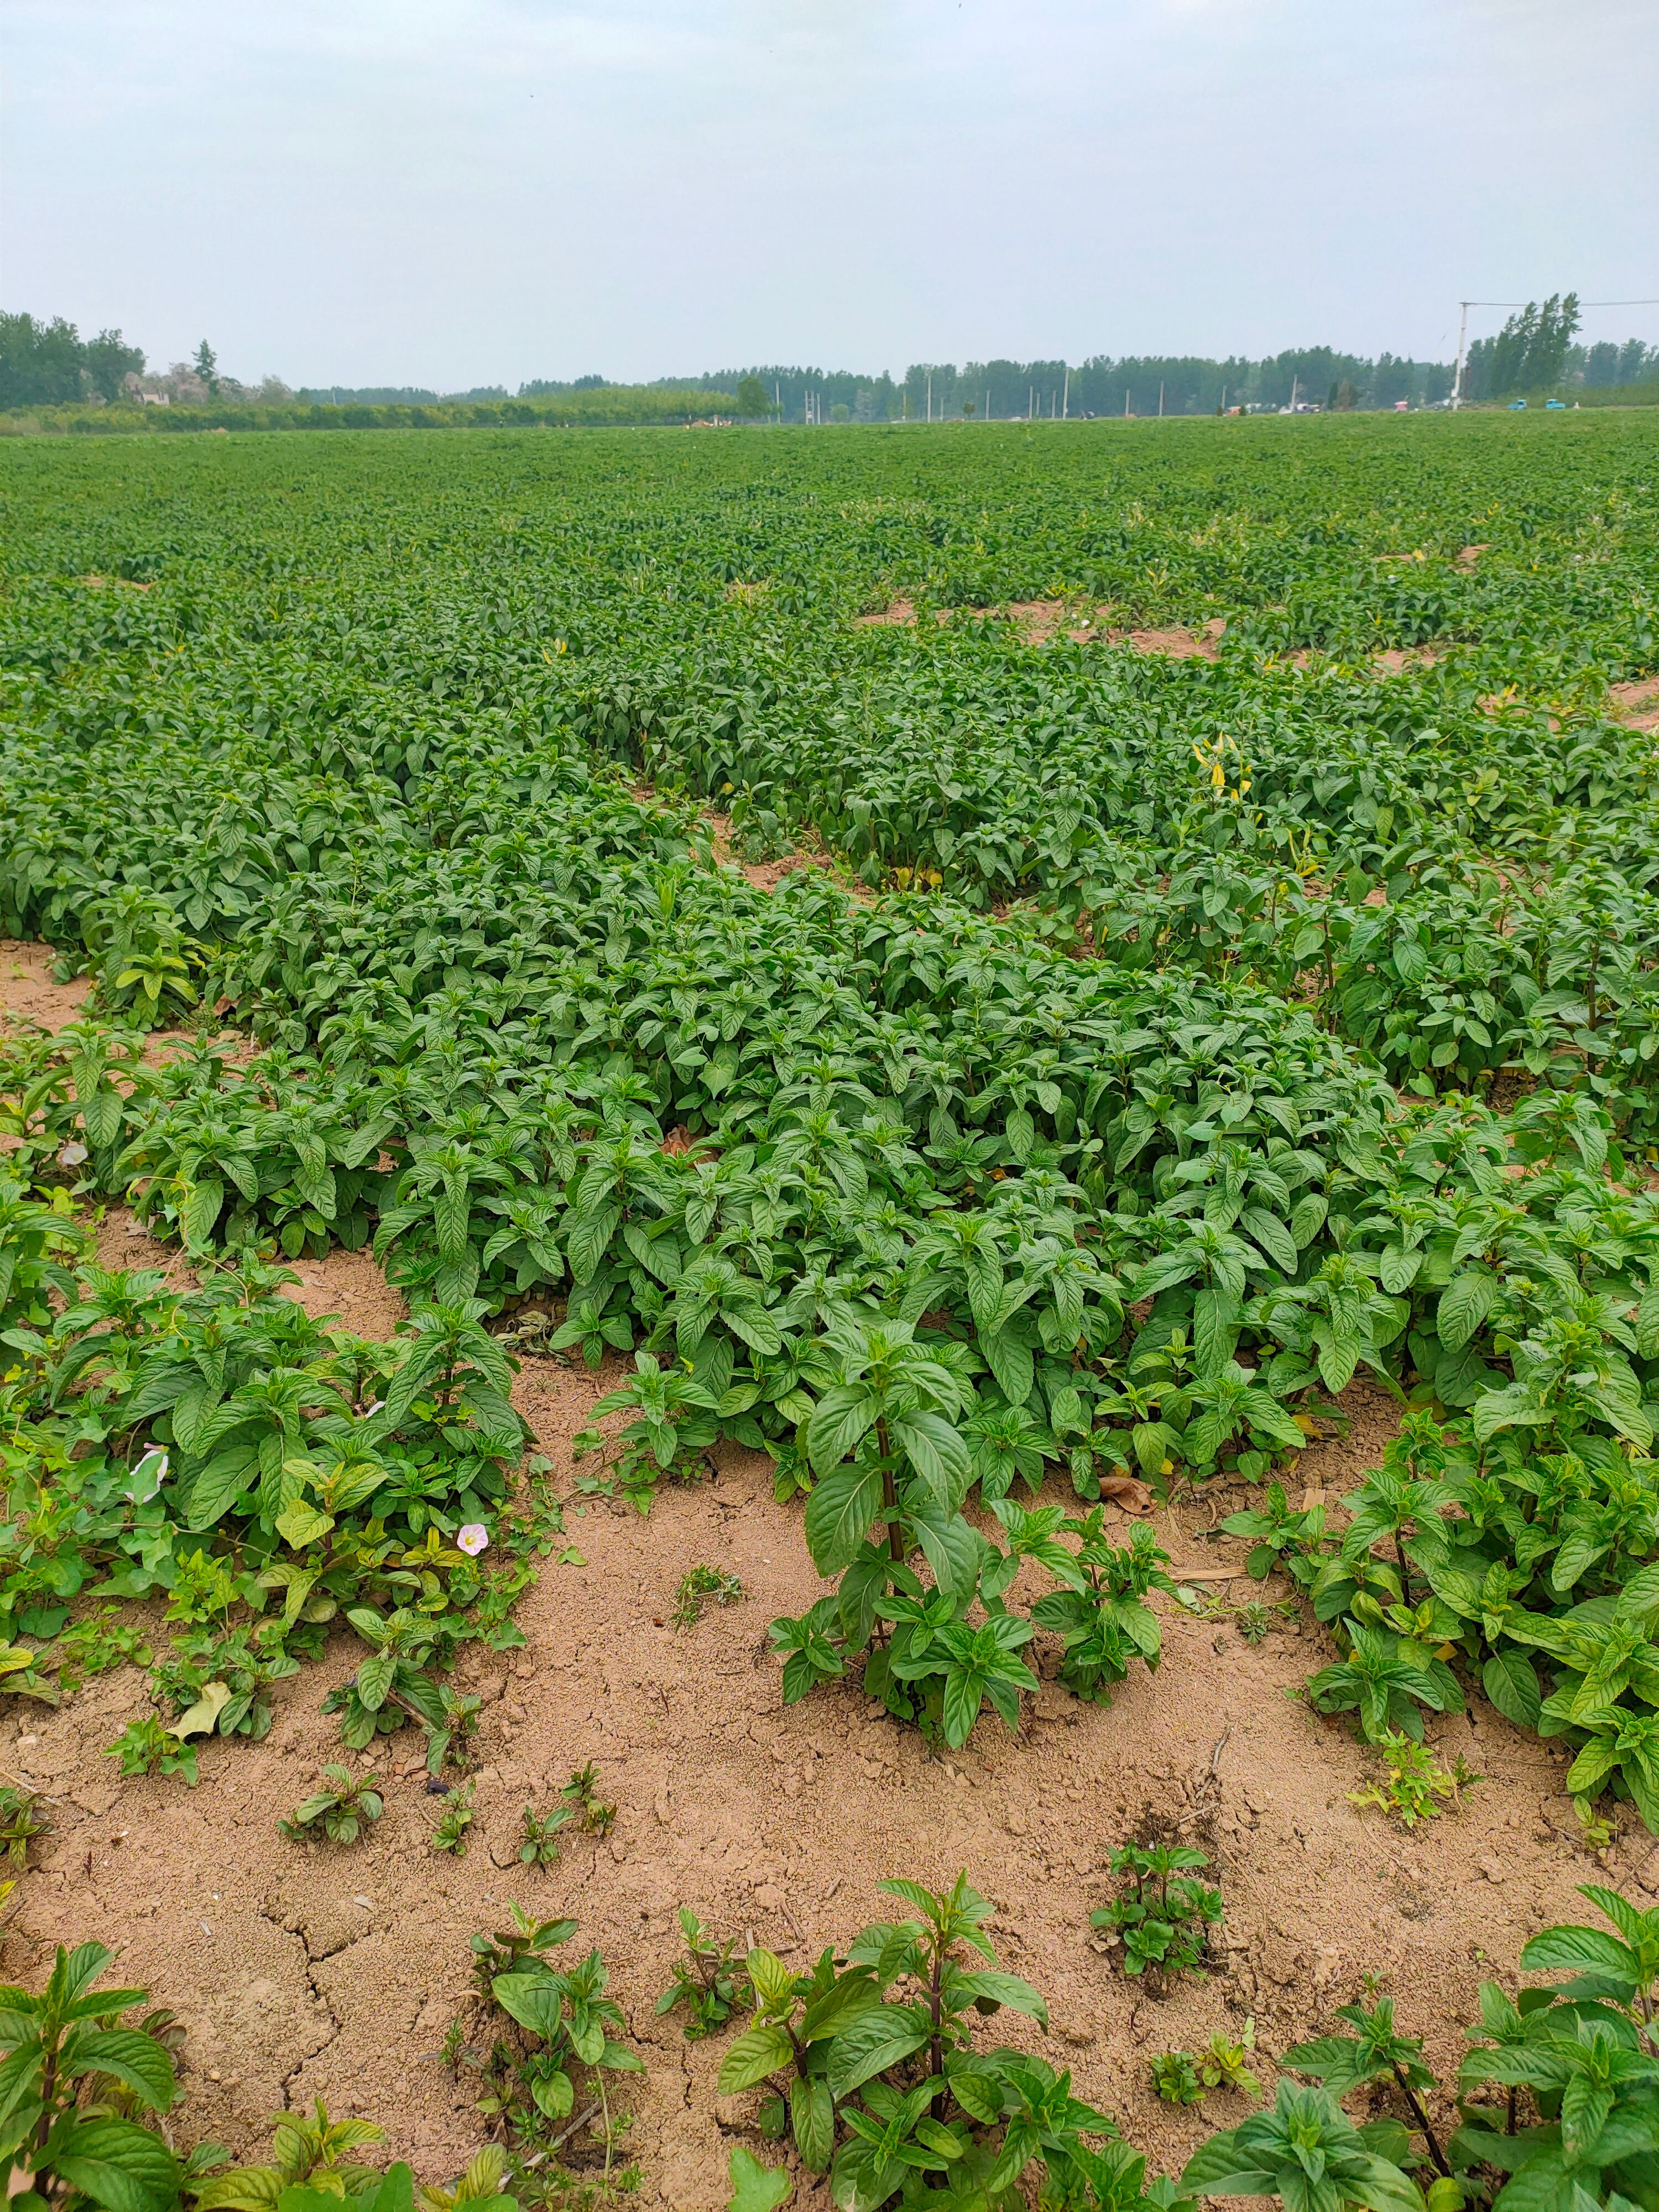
[1429, 2136]
[889, 1497]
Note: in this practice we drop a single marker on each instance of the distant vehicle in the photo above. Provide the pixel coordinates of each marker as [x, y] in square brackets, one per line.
[1403, 406]
[1514, 404]
[1555, 403]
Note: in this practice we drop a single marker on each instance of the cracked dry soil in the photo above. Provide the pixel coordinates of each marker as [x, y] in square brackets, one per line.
[304, 1971]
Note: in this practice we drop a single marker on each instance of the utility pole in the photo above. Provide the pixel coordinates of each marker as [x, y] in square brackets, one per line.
[1031, 401]
[987, 403]
[1125, 402]
[1066, 403]
[1293, 384]
[1462, 332]
[1160, 399]
[1224, 398]
[930, 395]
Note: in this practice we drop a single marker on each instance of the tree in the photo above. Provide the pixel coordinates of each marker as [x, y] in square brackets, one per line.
[1530, 351]
[751, 397]
[206, 365]
[108, 361]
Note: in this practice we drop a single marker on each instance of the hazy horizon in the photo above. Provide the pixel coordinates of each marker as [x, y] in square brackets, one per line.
[466, 192]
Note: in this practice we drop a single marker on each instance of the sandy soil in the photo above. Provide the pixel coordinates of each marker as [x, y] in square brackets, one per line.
[308, 1971]
[1040, 619]
[1637, 703]
[27, 990]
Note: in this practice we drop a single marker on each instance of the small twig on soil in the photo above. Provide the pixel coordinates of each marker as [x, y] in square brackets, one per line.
[9, 1776]
[580, 2121]
[1215, 1756]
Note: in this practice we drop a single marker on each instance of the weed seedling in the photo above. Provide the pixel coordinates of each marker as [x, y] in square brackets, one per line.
[1175, 2077]
[1256, 1621]
[706, 1980]
[703, 1586]
[343, 1810]
[1415, 1785]
[451, 1744]
[1596, 1831]
[457, 1817]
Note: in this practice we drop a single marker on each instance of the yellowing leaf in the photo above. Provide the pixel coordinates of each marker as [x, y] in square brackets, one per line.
[303, 1523]
[204, 1716]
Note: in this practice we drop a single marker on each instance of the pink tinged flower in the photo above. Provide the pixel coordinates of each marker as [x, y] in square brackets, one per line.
[474, 1538]
[146, 1477]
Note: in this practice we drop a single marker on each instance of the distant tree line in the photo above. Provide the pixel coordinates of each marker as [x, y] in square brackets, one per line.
[49, 365]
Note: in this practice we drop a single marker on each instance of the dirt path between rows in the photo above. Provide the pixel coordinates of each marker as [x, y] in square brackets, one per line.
[304, 1972]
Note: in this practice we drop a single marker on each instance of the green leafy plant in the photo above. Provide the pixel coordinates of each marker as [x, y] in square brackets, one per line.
[457, 1817]
[146, 1747]
[344, 1808]
[1163, 1916]
[540, 1846]
[74, 2077]
[1224, 2064]
[756, 2186]
[674, 1422]
[23, 1818]
[1306, 2150]
[870, 2066]
[701, 1587]
[1376, 2052]
[486, 2180]
[1415, 1785]
[569, 2025]
[1175, 2078]
[581, 1795]
[310, 2151]
[509, 1950]
[707, 1980]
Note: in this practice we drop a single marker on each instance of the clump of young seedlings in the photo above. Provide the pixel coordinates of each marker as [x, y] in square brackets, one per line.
[1181, 2078]
[1162, 1917]
[510, 1949]
[343, 1810]
[702, 1588]
[1413, 1785]
[1175, 2077]
[707, 1980]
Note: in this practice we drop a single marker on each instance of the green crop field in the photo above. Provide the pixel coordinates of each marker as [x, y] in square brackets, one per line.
[1147, 1044]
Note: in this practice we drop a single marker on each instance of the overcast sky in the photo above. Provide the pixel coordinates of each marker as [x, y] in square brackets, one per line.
[450, 192]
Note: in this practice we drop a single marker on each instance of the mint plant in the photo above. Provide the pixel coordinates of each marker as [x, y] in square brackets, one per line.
[344, 1808]
[707, 1980]
[870, 2066]
[1163, 1916]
